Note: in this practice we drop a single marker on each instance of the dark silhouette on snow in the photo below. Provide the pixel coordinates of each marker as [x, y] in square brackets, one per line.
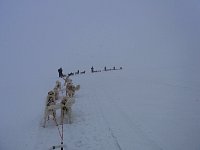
[92, 69]
[60, 72]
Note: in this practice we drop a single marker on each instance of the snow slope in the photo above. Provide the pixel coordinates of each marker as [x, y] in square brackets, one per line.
[152, 104]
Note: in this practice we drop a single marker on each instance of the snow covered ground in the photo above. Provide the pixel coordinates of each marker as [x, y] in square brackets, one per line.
[114, 110]
[153, 103]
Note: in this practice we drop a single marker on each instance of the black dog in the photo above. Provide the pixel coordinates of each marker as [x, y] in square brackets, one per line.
[71, 74]
[83, 72]
[77, 72]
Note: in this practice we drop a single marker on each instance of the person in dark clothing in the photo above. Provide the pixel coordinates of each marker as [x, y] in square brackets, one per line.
[60, 72]
[92, 69]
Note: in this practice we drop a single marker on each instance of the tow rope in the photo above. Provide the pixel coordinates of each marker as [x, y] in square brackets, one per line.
[61, 134]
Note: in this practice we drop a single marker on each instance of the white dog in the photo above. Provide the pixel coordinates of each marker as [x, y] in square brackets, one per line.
[66, 108]
[50, 107]
[70, 89]
[67, 80]
[56, 91]
[50, 97]
[58, 85]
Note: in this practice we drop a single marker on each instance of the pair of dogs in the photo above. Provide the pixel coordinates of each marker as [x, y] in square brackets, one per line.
[64, 106]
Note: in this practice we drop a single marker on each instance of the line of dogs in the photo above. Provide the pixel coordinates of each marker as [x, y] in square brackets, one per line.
[92, 70]
[76, 73]
[57, 100]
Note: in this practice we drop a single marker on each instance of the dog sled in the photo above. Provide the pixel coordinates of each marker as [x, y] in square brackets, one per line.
[61, 146]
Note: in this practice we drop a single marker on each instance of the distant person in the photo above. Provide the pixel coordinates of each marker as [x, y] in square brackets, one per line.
[60, 72]
[92, 69]
[105, 68]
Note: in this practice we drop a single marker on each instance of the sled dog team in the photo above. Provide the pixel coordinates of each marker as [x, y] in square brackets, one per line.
[56, 101]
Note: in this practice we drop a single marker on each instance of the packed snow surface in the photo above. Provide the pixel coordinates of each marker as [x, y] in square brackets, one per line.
[120, 110]
[153, 103]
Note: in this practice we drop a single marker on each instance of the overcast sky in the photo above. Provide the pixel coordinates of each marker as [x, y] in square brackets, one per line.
[41, 35]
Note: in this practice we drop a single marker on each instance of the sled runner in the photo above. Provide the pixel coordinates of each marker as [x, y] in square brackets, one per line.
[58, 146]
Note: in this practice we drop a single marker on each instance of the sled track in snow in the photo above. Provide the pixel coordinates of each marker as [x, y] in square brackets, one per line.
[114, 138]
[112, 134]
[106, 124]
[136, 136]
